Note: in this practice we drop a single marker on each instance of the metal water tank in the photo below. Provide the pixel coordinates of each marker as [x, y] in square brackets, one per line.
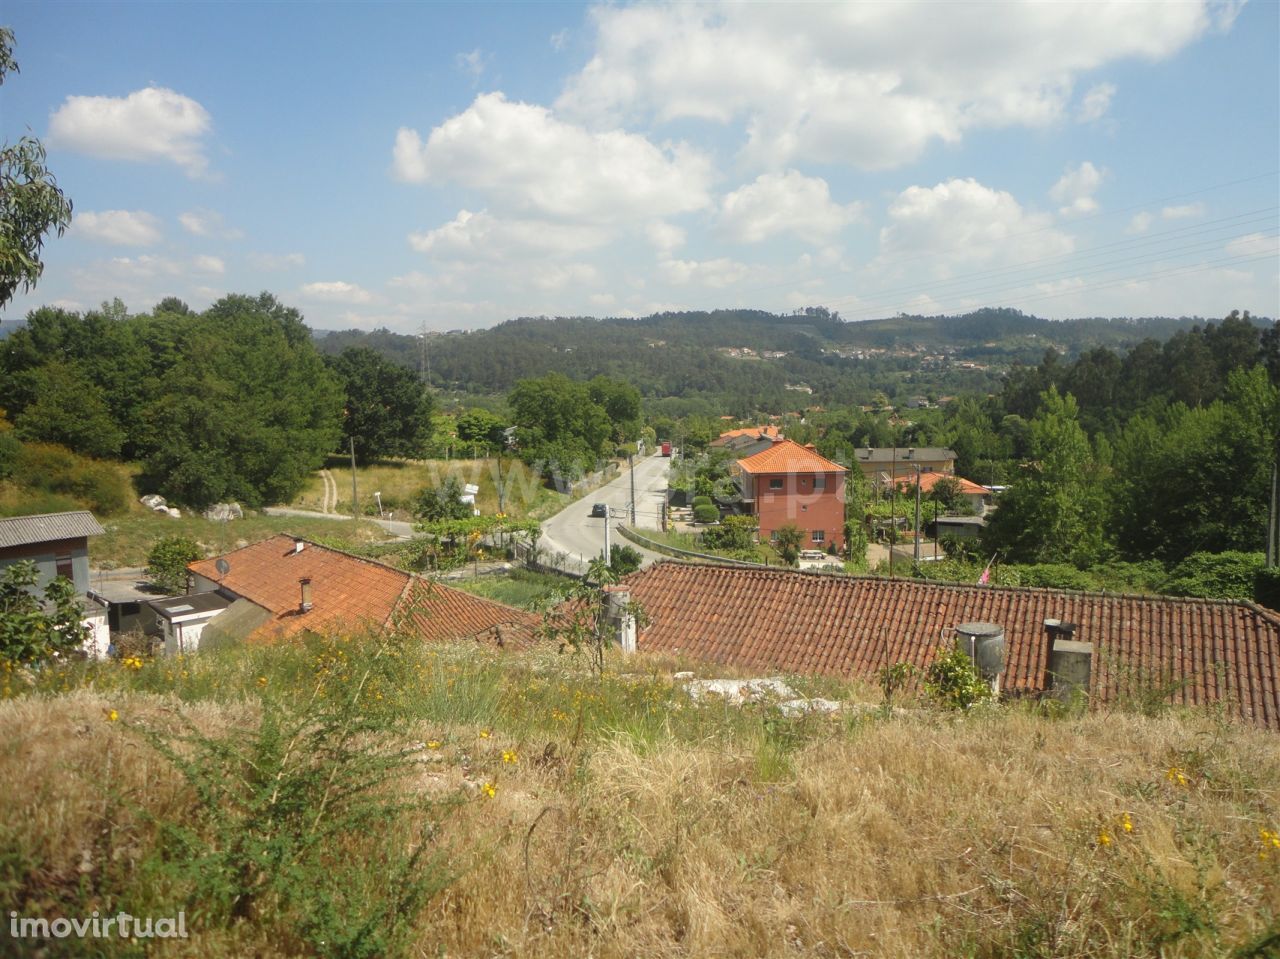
[984, 644]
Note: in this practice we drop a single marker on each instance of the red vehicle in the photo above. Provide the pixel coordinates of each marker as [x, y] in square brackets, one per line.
[666, 449]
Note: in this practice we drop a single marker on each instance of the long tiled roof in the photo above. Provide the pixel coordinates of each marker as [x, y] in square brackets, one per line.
[903, 455]
[45, 527]
[788, 456]
[752, 431]
[929, 480]
[350, 592]
[1205, 651]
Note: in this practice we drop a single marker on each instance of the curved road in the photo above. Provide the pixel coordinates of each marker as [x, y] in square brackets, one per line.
[578, 536]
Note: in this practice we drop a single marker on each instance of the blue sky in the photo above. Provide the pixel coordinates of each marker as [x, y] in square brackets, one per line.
[453, 166]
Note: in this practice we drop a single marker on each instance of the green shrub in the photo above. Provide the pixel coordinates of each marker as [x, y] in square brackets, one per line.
[95, 485]
[624, 560]
[1266, 587]
[1229, 575]
[700, 501]
[1053, 576]
[10, 450]
[167, 562]
[953, 681]
[705, 513]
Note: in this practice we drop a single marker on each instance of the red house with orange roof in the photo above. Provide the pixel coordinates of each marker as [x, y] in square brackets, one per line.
[791, 484]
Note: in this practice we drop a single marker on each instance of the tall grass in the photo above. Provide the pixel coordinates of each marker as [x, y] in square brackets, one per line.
[611, 815]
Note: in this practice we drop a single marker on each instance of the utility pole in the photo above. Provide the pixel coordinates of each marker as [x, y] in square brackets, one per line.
[631, 461]
[1273, 518]
[893, 504]
[917, 529]
[608, 555]
[355, 511]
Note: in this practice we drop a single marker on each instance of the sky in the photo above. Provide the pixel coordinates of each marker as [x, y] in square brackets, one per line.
[451, 166]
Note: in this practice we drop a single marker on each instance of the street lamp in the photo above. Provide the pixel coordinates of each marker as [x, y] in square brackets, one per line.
[378, 497]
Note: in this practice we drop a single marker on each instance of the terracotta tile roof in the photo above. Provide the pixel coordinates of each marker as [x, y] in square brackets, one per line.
[788, 456]
[769, 431]
[1206, 651]
[350, 592]
[929, 480]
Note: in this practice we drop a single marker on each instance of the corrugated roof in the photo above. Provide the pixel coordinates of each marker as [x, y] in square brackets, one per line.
[348, 592]
[1201, 651]
[44, 527]
[788, 456]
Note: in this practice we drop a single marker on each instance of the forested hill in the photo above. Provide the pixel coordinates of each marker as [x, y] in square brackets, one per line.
[731, 357]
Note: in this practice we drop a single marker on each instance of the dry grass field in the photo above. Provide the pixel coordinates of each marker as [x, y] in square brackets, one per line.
[364, 797]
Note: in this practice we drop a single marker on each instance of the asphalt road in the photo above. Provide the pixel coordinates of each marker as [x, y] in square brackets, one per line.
[575, 533]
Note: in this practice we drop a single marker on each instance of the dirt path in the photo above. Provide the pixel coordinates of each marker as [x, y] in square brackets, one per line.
[330, 501]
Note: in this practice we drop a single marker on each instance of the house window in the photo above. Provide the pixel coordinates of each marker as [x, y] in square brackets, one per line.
[773, 536]
[63, 566]
[775, 483]
[819, 535]
[820, 481]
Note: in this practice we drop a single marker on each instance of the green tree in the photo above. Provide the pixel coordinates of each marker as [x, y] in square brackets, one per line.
[442, 503]
[788, 541]
[31, 204]
[1054, 511]
[167, 562]
[481, 427]
[247, 410]
[857, 501]
[624, 560]
[70, 410]
[34, 631]
[387, 411]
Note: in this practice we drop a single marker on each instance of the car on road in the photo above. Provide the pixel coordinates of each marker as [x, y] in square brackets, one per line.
[601, 510]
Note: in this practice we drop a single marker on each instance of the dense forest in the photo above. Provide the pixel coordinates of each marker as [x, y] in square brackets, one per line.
[720, 362]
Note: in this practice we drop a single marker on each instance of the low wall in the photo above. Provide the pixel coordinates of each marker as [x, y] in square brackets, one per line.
[675, 551]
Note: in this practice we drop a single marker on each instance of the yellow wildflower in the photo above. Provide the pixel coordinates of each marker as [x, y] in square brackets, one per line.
[1176, 776]
[262, 680]
[112, 715]
[489, 790]
[1104, 838]
[1270, 841]
[1126, 823]
[484, 734]
[433, 744]
[509, 757]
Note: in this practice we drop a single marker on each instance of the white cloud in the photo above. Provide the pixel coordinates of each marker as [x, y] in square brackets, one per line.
[1184, 212]
[149, 125]
[868, 84]
[483, 236]
[337, 291]
[559, 40]
[716, 274]
[964, 222]
[665, 237]
[1076, 188]
[121, 227]
[209, 264]
[208, 223]
[561, 276]
[1140, 223]
[474, 62]
[523, 155]
[1255, 244]
[1096, 103]
[784, 203]
[277, 262]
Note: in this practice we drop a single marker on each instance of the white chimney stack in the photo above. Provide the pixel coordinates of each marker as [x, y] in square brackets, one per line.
[305, 605]
[297, 545]
[623, 623]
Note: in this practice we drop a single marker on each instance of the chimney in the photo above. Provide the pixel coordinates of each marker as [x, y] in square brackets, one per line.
[1070, 668]
[984, 644]
[619, 620]
[298, 544]
[305, 605]
[911, 451]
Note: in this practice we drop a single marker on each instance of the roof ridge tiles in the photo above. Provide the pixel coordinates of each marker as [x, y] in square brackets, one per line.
[1270, 615]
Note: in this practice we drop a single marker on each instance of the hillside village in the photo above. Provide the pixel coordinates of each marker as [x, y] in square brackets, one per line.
[731, 480]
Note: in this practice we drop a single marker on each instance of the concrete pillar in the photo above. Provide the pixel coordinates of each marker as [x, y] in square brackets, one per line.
[1070, 668]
